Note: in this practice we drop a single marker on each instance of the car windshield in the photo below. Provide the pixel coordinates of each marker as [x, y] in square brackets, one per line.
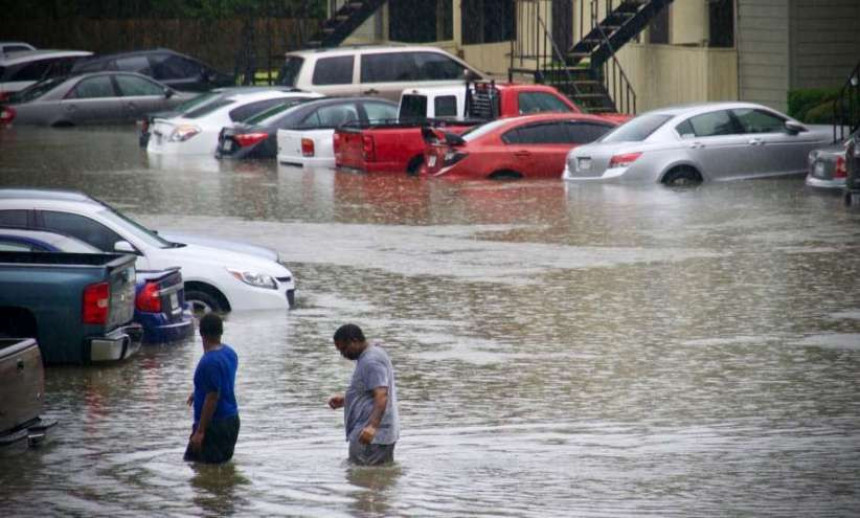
[35, 91]
[290, 71]
[134, 228]
[483, 129]
[265, 117]
[637, 129]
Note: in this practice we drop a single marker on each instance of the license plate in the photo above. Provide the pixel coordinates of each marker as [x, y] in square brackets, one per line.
[227, 146]
[431, 162]
[174, 300]
[583, 164]
[819, 170]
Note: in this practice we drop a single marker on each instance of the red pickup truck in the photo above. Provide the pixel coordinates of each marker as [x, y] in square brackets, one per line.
[398, 146]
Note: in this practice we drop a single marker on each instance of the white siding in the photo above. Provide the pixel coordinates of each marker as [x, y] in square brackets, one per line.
[763, 51]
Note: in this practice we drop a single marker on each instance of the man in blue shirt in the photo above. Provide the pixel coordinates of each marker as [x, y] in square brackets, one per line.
[216, 414]
[370, 403]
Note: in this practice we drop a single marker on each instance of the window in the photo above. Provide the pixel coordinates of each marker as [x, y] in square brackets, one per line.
[483, 129]
[13, 218]
[380, 111]
[421, 22]
[436, 67]
[585, 132]
[331, 116]
[638, 129]
[334, 71]
[276, 114]
[93, 88]
[31, 71]
[658, 30]
[139, 64]
[290, 71]
[243, 112]
[81, 227]
[445, 106]
[758, 121]
[487, 21]
[539, 102]
[721, 23]
[131, 86]
[208, 108]
[16, 246]
[413, 107]
[543, 133]
[388, 67]
[712, 124]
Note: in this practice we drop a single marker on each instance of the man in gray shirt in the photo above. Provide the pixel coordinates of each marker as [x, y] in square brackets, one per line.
[370, 404]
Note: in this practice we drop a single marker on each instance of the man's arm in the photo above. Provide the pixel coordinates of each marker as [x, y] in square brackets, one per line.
[380, 401]
[209, 405]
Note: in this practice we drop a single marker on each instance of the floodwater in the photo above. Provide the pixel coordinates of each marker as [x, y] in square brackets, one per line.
[560, 350]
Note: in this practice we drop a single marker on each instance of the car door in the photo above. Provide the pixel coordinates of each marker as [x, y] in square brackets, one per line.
[387, 74]
[717, 144]
[334, 76]
[537, 150]
[777, 151]
[140, 96]
[92, 99]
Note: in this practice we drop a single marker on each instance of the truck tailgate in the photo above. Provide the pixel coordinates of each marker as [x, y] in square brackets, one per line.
[349, 148]
[122, 280]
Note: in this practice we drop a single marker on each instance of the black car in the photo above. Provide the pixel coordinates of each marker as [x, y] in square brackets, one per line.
[257, 137]
[171, 68]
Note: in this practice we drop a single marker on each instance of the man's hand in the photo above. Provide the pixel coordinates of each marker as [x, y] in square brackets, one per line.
[197, 439]
[367, 434]
[335, 402]
[190, 399]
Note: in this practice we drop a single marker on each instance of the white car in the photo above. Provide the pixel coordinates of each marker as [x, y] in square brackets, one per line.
[219, 276]
[196, 132]
[20, 69]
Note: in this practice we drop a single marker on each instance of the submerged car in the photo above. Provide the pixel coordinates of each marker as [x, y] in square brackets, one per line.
[97, 98]
[311, 128]
[530, 146]
[827, 169]
[704, 142]
[216, 278]
[159, 305]
[22, 68]
[196, 132]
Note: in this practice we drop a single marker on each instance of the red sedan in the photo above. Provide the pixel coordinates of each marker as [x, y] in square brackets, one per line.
[531, 146]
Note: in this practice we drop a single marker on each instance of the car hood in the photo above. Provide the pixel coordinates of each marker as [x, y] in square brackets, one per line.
[219, 245]
[191, 257]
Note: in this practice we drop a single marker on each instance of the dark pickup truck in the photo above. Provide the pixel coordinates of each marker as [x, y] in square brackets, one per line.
[398, 146]
[79, 307]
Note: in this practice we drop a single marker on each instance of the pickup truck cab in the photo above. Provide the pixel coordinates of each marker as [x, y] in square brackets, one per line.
[79, 307]
[398, 146]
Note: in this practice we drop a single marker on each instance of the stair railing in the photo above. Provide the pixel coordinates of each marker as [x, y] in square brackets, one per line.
[617, 83]
[846, 108]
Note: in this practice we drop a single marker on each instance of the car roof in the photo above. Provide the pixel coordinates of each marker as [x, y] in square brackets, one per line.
[549, 116]
[24, 193]
[130, 53]
[365, 49]
[23, 56]
[689, 109]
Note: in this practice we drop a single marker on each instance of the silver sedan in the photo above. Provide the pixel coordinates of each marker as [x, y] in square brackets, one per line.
[704, 142]
[94, 98]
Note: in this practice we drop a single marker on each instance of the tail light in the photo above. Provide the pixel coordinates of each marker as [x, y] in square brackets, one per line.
[307, 147]
[183, 133]
[148, 300]
[623, 160]
[335, 143]
[840, 171]
[367, 147]
[249, 139]
[96, 303]
[7, 114]
[5, 96]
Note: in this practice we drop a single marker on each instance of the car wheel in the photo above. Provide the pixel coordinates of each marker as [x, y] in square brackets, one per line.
[414, 165]
[203, 302]
[505, 175]
[681, 176]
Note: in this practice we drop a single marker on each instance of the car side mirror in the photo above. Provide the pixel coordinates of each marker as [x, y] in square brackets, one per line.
[793, 128]
[168, 93]
[124, 247]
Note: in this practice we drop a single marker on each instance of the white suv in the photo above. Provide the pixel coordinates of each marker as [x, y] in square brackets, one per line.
[373, 70]
[226, 277]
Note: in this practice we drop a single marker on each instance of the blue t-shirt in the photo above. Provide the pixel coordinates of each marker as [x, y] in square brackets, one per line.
[216, 372]
[373, 369]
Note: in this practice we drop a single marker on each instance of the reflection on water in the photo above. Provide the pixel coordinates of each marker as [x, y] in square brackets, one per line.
[560, 350]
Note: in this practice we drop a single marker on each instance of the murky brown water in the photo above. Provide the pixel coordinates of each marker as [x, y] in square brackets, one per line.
[585, 351]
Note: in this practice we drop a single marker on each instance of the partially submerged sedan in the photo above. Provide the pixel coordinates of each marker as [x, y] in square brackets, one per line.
[705, 142]
[96, 98]
[827, 166]
[530, 146]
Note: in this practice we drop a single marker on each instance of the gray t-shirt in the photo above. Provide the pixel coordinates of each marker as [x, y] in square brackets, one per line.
[373, 369]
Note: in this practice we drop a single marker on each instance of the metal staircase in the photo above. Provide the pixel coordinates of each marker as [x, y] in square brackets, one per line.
[846, 108]
[589, 72]
[349, 17]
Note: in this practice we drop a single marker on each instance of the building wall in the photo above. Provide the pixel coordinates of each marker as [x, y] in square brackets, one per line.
[763, 51]
[825, 42]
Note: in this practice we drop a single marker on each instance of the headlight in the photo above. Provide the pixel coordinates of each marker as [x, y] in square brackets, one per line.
[258, 280]
[183, 133]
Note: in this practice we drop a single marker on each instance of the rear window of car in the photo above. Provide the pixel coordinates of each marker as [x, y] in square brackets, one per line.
[483, 129]
[445, 106]
[413, 107]
[266, 117]
[638, 129]
[333, 71]
[540, 102]
[139, 64]
[290, 71]
[242, 113]
[36, 90]
[208, 108]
